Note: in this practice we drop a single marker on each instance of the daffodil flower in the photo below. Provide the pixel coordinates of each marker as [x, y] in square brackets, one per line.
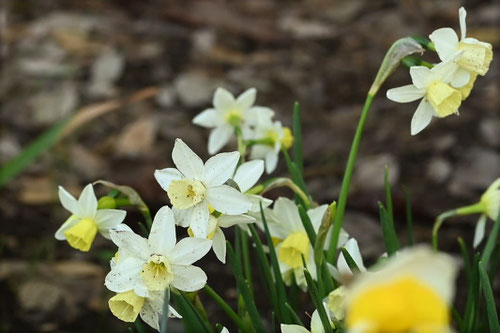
[246, 176]
[490, 205]
[127, 306]
[343, 272]
[156, 263]
[437, 89]
[193, 186]
[411, 292]
[86, 220]
[273, 137]
[475, 56]
[316, 324]
[336, 302]
[227, 114]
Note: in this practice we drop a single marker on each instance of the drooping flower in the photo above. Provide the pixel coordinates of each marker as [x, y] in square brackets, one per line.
[156, 263]
[343, 272]
[490, 207]
[193, 186]
[475, 56]
[272, 137]
[410, 292]
[86, 220]
[227, 113]
[437, 89]
[316, 324]
[336, 302]
[127, 306]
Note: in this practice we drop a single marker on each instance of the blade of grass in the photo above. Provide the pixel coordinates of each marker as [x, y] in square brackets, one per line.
[490, 243]
[409, 219]
[473, 293]
[390, 238]
[306, 222]
[296, 177]
[193, 322]
[298, 157]
[318, 303]
[246, 257]
[489, 299]
[388, 196]
[226, 308]
[245, 290]
[349, 260]
[296, 320]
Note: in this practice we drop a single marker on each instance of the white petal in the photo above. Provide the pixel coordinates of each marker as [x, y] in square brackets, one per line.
[420, 76]
[151, 315]
[352, 247]
[422, 117]
[220, 168]
[316, 216]
[188, 163]
[287, 214]
[248, 174]
[316, 324]
[479, 232]
[226, 221]
[165, 176]
[183, 216]
[131, 242]
[462, 14]
[405, 94]
[246, 99]
[68, 201]
[124, 275]
[271, 161]
[288, 328]
[208, 118]
[446, 42]
[88, 202]
[256, 202]
[189, 250]
[109, 218]
[188, 278]
[227, 200]
[223, 99]
[219, 137]
[71, 221]
[173, 313]
[199, 219]
[219, 245]
[162, 237]
[460, 78]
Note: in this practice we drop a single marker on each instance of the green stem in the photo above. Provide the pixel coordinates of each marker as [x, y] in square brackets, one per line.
[246, 257]
[346, 182]
[242, 147]
[226, 308]
[282, 181]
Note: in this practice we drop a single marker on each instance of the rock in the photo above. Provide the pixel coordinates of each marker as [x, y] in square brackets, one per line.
[137, 138]
[476, 170]
[195, 89]
[38, 295]
[369, 174]
[106, 69]
[166, 97]
[9, 147]
[439, 170]
[490, 131]
[54, 104]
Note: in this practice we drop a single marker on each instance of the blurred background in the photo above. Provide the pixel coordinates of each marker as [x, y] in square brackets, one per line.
[63, 57]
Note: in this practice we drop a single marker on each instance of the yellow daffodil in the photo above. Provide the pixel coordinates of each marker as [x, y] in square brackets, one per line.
[86, 220]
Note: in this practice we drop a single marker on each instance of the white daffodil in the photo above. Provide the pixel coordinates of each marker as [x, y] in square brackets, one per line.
[193, 186]
[156, 263]
[343, 272]
[86, 220]
[216, 234]
[316, 324]
[437, 87]
[246, 176]
[127, 306]
[227, 114]
[271, 136]
[490, 204]
[336, 302]
[291, 240]
[475, 56]
[418, 279]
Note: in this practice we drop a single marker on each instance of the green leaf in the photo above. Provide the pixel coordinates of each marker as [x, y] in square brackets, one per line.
[317, 300]
[298, 157]
[390, 238]
[164, 315]
[41, 144]
[388, 196]
[245, 291]
[409, 219]
[295, 318]
[225, 307]
[349, 260]
[193, 321]
[306, 222]
[296, 177]
[491, 242]
[473, 295]
[489, 298]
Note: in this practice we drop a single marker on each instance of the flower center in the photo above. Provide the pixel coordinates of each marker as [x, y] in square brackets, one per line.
[234, 117]
[443, 98]
[292, 249]
[287, 139]
[126, 306]
[157, 273]
[81, 235]
[186, 193]
[476, 58]
[402, 305]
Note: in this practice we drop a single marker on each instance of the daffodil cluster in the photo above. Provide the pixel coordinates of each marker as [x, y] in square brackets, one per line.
[444, 86]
